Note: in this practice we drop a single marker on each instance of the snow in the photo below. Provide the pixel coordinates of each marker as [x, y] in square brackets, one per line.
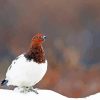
[43, 95]
[94, 97]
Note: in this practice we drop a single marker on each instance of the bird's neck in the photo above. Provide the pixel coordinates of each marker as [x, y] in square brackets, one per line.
[36, 53]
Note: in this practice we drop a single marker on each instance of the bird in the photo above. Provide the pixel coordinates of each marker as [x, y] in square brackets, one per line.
[29, 68]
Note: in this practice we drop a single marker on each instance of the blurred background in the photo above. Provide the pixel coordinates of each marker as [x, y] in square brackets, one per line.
[72, 47]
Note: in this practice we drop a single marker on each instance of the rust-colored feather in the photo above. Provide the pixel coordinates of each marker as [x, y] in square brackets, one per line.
[36, 53]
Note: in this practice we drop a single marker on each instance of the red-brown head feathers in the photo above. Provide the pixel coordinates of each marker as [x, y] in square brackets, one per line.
[38, 39]
[36, 51]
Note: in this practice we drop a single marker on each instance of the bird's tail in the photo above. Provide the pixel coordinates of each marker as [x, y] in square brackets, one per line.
[4, 82]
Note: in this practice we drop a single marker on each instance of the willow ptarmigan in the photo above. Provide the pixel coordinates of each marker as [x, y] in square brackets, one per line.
[28, 68]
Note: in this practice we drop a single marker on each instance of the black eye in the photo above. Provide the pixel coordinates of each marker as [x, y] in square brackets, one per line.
[44, 37]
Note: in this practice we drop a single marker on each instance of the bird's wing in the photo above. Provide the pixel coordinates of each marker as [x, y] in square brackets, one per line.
[9, 67]
[14, 61]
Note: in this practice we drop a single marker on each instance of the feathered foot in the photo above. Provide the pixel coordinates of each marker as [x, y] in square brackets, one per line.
[25, 89]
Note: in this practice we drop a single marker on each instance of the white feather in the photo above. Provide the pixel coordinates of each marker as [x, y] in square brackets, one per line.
[23, 72]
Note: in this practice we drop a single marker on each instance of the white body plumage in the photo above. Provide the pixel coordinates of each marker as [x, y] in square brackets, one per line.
[23, 72]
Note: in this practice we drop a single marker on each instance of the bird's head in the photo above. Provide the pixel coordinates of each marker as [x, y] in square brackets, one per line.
[38, 39]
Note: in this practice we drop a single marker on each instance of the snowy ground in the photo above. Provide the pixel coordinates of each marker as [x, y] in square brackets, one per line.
[43, 95]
